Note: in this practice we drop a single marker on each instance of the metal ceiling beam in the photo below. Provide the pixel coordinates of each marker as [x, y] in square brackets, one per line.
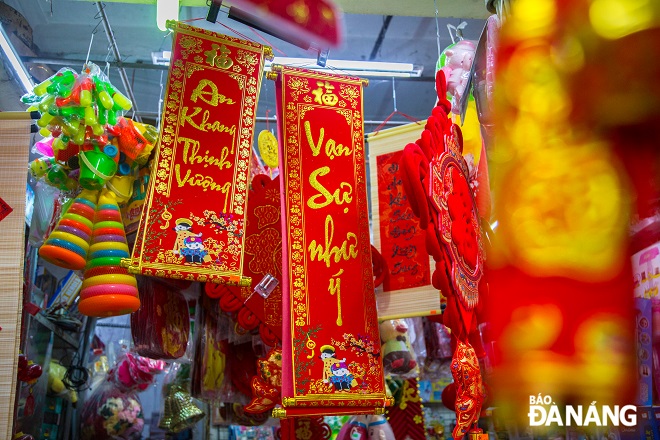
[381, 37]
[66, 62]
[413, 8]
[115, 50]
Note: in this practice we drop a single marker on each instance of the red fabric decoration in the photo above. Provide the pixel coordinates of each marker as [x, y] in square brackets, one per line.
[305, 428]
[406, 416]
[435, 176]
[242, 364]
[469, 388]
[5, 209]
[403, 249]
[267, 384]
[160, 327]
[331, 350]
[263, 255]
[193, 222]
[380, 267]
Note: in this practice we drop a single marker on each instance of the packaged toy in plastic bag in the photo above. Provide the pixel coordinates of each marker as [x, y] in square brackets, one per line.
[208, 375]
[113, 410]
[438, 347]
[398, 355]
[161, 326]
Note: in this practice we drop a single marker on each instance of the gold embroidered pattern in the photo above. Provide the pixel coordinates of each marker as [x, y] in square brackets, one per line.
[189, 45]
[298, 87]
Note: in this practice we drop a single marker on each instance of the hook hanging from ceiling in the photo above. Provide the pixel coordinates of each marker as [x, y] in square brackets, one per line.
[437, 28]
[395, 112]
[456, 32]
[394, 95]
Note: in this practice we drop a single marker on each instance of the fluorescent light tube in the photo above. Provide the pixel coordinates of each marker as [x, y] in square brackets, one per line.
[16, 64]
[357, 68]
[166, 10]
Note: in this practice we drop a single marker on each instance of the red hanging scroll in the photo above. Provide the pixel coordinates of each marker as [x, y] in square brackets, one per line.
[331, 346]
[193, 225]
[407, 289]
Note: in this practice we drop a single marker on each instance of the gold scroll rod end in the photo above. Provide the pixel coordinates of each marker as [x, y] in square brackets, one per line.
[279, 413]
[245, 282]
[288, 401]
[274, 71]
[268, 53]
[171, 24]
[127, 263]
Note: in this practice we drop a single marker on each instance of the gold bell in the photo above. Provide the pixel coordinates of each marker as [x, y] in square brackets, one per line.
[183, 410]
[166, 418]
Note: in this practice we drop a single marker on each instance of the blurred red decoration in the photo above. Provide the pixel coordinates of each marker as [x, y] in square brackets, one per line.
[435, 178]
[300, 22]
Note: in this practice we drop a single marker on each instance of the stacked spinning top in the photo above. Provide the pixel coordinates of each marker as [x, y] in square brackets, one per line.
[67, 246]
[108, 289]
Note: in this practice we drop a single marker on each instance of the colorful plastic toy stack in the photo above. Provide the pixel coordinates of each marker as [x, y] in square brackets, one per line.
[108, 289]
[67, 246]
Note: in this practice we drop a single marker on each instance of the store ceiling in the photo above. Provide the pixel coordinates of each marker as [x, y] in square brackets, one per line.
[412, 8]
[62, 30]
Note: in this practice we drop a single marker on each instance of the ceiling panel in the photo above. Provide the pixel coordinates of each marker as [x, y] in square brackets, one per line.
[66, 33]
[417, 8]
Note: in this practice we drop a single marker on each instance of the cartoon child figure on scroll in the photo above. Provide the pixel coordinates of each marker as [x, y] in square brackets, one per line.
[341, 377]
[328, 358]
[194, 251]
[183, 229]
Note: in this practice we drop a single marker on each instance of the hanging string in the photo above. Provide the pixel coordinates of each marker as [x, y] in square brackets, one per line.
[384, 123]
[89, 49]
[339, 71]
[437, 28]
[245, 37]
[91, 40]
[107, 62]
[190, 20]
[160, 101]
[395, 112]
[394, 95]
[267, 119]
[266, 41]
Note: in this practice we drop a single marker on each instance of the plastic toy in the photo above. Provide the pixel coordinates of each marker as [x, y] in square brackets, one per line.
[78, 111]
[456, 61]
[97, 167]
[68, 244]
[108, 289]
[53, 173]
[397, 353]
[354, 429]
[379, 429]
[56, 386]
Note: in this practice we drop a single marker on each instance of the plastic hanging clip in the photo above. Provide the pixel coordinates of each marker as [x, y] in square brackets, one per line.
[266, 286]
